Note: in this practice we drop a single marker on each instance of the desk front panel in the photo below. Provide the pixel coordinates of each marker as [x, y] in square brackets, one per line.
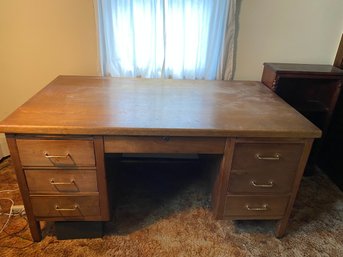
[258, 178]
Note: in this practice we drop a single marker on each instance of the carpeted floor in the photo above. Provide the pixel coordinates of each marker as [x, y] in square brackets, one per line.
[165, 211]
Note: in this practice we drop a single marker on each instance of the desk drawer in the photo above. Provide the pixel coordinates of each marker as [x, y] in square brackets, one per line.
[267, 157]
[141, 144]
[42, 152]
[255, 207]
[61, 181]
[276, 181]
[65, 206]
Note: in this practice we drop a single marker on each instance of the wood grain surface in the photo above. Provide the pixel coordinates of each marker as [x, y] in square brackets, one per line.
[122, 106]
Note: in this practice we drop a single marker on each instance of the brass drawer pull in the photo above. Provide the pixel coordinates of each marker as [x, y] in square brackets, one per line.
[57, 156]
[275, 157]
[52, 182]
[264, 207]
[270, 184]
[57, 208]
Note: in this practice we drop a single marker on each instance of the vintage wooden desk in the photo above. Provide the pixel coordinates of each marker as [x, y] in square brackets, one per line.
[59, 137]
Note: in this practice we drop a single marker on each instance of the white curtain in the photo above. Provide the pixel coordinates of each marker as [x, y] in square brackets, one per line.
[180, 39]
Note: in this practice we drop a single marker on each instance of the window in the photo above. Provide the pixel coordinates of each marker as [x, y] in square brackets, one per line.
[181, 39]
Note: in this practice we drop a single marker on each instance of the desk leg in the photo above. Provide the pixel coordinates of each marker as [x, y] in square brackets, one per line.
[33, 224]
[221, 180]
[281, 227]
[282, 224]
[35, 230]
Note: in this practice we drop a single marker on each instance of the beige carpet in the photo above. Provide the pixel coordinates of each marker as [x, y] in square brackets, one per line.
[165, 212]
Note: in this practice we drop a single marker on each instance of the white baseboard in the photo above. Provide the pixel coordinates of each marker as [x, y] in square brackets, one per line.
[3, 147]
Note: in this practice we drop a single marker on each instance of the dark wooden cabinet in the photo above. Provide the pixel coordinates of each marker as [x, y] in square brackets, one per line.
[331, 160]
[311, 89]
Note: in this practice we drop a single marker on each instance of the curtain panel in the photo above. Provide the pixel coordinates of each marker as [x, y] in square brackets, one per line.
[179, 39]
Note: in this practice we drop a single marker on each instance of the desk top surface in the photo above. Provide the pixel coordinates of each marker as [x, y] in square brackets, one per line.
[122, 106]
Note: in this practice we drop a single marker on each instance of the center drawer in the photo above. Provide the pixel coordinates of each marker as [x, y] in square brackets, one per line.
[164, 144]
[60, 153]
[61, 181]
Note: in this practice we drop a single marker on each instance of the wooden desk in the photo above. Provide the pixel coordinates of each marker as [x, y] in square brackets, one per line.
[58, 138]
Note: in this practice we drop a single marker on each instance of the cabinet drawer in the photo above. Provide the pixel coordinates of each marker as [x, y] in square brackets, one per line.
[56, 152]
[263, 157]
[61, 181]
[65, 206]
[276, 181]
[255, 207]
[141, 144]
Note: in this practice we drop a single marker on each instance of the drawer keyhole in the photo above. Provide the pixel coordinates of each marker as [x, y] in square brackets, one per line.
[166, 138]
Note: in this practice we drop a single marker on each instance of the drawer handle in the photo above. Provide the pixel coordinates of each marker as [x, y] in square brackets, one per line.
[52, 182]
[264, 207]
[275, 157]
[57, 208]
[270, 184]
[57, 156]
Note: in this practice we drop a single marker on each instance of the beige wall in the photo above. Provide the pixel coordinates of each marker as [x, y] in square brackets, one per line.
[40, 39]
[300, 31]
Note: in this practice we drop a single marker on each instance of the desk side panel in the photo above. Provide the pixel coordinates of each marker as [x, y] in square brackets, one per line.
[24, 191]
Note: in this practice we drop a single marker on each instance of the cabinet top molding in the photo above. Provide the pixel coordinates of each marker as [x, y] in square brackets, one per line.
[312, 69]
